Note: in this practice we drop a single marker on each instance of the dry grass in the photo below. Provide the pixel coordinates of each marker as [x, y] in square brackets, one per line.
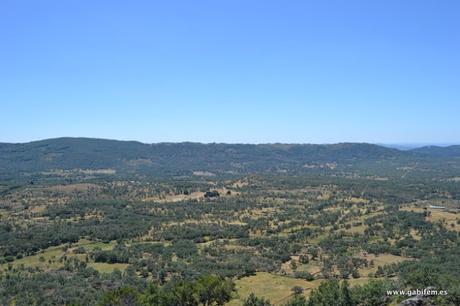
[324, 196]
[50, 258]
[357, 229]
[203, 173]
[380, 260]
[240, 183]
[355, 200]
[165, 198]
[106, 267]
[197, 195]
[274, 287]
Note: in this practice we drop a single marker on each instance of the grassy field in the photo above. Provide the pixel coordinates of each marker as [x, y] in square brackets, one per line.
[277, 288]
[106, 267]
[91, 245]
[52, 257]
[274, 287]
[380, 260]
[41, 260]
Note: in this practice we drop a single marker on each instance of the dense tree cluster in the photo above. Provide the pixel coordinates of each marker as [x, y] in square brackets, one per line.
[206, 291]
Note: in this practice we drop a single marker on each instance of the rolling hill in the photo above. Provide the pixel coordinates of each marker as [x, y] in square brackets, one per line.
[130, 157]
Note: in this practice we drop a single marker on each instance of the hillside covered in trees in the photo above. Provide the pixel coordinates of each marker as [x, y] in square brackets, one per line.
[127, 158]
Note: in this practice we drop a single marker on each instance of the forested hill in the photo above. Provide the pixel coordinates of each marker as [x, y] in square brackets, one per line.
[450, 151]
[129, 157]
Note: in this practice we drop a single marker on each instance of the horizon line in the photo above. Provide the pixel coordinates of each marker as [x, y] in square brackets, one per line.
[395, 145]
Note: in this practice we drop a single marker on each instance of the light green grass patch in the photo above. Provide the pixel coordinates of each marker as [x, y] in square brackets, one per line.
[274, 287]
[107, 267]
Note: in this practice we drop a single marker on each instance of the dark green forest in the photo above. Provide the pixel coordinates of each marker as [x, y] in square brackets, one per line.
[128, 158]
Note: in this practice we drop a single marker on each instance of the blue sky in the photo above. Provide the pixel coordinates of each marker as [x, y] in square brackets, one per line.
[231, 71]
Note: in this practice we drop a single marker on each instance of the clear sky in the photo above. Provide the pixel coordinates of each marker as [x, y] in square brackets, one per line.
[383, 71]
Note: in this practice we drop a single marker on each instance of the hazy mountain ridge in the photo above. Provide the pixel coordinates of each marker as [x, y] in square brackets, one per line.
[176, 158]
[449, 151]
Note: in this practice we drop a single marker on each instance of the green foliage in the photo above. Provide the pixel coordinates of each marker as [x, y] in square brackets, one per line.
[333, 293]
[345, 295]
[19, 160]
[304, 275]
[372, 293]
[121, 297]
[327, 294]
[213, 290]
[252, 300]
[440, 272]
[74, 285]
[207, 291]
[297, 300]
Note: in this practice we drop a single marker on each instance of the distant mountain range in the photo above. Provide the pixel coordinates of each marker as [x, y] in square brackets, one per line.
[134, 158]
[410, 146]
